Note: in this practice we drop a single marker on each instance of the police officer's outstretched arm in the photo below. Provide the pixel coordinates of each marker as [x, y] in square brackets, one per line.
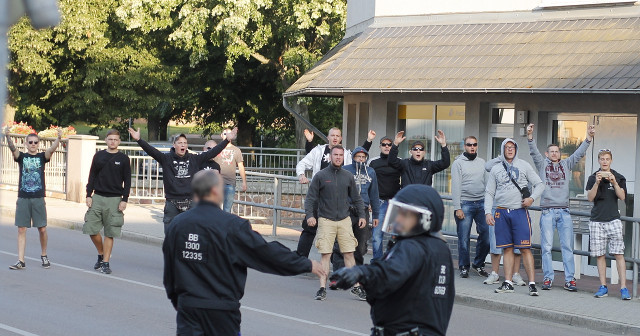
[268, 257]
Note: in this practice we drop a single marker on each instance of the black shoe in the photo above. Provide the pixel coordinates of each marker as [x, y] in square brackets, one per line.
[480, 270]
[359, 293]
[505, 288]
[104, 268]
[18, 266]
[464, 272]
[321, 295]
[45, 261]
[98, 263]
[533, 291]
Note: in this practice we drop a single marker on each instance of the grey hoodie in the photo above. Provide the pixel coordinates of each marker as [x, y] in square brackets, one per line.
[556, 175]
[501, 192]
[467, 180]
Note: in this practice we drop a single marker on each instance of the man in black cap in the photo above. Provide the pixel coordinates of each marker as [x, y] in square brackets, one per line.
[417, 169]
[411, 291]
[206, 256]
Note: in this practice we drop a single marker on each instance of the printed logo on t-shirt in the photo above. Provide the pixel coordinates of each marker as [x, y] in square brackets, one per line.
[556, 177]
[327, 158]
[182, 169]
[31, 180]
[117, 163]
[227, 156]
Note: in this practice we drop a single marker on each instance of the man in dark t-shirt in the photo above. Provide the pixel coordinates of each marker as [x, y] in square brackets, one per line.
[107, 195]
[30, 207]
[604, 188]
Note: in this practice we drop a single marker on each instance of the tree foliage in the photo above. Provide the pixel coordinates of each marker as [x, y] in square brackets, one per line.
[214, 61]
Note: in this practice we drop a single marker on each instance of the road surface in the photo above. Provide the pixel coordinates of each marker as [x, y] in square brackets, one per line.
[71, 298]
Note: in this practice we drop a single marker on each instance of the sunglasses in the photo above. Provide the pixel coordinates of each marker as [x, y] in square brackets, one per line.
[385, 144]
[605, 151]
[33, 142]
[472, 144]
[417, 149]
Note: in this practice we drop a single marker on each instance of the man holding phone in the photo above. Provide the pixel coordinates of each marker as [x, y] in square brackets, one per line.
[507, 190]
[604, 188]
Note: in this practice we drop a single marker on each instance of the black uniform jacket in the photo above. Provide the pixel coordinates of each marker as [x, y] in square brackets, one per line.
[412, 286]
[206, 255]
[418, 172]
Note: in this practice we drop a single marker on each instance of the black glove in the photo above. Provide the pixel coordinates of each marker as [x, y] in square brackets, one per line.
[345, 278]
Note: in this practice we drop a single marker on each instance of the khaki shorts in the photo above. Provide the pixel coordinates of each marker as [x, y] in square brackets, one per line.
[104, 213]
[31, 210]
[329, 230]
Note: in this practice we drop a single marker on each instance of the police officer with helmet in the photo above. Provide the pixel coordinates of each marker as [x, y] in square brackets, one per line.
[411, 289]
[206, 255]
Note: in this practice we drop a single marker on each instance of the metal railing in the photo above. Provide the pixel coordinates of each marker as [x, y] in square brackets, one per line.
[55, 172]
[273, 190]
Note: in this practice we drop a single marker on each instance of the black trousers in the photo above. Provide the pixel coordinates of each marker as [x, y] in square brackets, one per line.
[207, 322]
[307, 236]
[362, 235]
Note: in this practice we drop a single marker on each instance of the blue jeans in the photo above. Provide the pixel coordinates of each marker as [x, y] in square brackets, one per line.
[377, 236]
[559, 219]
[473, 211]
[229, 193]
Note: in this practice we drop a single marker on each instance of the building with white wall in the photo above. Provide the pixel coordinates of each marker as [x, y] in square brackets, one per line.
[473, 67]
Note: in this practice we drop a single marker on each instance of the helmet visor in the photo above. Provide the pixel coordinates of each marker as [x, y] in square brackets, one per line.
[403, 219]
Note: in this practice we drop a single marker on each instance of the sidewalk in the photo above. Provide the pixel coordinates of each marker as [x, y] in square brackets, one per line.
[143, 223]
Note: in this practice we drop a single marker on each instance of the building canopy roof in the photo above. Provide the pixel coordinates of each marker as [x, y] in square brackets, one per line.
[585, 55]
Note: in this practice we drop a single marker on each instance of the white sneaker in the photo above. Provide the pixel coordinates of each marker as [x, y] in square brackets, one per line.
[517, 279]
[492, 279]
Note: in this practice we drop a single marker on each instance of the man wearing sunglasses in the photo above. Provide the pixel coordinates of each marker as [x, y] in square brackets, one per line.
[417, 169]
[211, 163]
[467, 191]
[556, 174]
[31, 209]
[178, 168]
[388, 186]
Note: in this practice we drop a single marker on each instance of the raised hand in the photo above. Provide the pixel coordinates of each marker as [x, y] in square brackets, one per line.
[399, 138]
[308, 134]
[233, 134]
[135, 135]
[530, 128]
[591, 132]
[440, 138]
[59, 132]
[371, 136]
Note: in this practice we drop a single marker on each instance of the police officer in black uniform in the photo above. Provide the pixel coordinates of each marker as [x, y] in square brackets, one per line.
[411, 289]
[206, 255]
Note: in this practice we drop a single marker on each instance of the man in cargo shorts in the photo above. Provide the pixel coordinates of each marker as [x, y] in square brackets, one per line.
[107, 195]
[30, 207]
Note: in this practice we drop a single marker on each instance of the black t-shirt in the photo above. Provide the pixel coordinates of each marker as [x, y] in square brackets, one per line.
[326, 158]
[31, 183]
[210, 165]
[605, 204]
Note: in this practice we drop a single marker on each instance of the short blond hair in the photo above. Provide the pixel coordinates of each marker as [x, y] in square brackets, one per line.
[605, 152]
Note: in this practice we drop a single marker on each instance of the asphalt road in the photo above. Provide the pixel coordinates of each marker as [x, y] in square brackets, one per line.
[71, 298]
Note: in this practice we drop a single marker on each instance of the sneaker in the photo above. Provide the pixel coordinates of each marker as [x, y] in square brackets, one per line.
[493, 278]
[517, 279]
[480, 270]
[602, 292]
[533, 291]
[624, 294]
[571, 286]
[359, 293]
[547, 283]
[45, 262]
[98, 263]
[505, 288]
[104, 268]
[18, 266]
[321, 295]
[464, 273]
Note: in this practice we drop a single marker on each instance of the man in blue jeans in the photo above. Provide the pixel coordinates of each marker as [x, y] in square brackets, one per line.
[467, 189]
[388, 185]
[228, 159]
[556, 173]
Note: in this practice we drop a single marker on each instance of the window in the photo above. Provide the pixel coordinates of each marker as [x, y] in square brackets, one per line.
[502, 116]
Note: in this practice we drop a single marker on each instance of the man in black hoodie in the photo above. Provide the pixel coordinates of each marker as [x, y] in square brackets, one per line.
[206, 256]
[178, 168]
[417, 169]
[388, 186]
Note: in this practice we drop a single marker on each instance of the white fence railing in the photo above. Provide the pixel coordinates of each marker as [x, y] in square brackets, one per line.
[54, 173]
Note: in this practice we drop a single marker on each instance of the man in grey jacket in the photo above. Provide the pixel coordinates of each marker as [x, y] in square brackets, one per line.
[331, 192]
[467, 190]
[507, 189]
[556, 175]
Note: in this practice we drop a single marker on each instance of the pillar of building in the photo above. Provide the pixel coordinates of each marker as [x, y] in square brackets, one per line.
[80, 151]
